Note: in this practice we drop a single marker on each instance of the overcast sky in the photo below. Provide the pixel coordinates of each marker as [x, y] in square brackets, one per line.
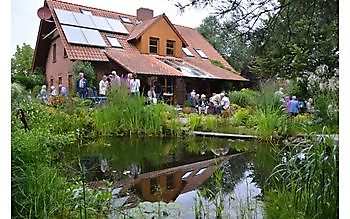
[25, 22]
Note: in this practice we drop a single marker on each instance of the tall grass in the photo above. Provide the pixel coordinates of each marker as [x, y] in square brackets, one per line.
[123, 114]
[306, 185]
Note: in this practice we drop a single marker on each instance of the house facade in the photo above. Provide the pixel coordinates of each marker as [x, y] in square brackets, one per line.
[147, 45]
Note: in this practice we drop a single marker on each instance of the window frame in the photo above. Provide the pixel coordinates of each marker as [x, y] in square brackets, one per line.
[54, 51]
[153, 46]
[85, 11]
[172, 48]
[110, 42]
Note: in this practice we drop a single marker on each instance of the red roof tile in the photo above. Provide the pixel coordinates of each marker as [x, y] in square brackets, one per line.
[136, 62]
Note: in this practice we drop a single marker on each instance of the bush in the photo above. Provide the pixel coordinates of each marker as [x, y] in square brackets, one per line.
[243, 99]
[87, 69]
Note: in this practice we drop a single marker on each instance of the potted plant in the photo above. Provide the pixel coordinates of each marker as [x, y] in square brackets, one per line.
[187, 108]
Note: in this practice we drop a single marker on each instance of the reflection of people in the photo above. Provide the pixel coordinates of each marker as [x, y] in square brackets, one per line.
[81, 86]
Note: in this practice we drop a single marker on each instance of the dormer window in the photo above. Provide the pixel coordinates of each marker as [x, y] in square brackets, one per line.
[153, 45]
[170, 44]
[86, 12]
[201, 53]
[125, 19]
[114, 42]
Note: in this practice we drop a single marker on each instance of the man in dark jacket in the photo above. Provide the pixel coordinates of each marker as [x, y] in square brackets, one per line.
[81, 86]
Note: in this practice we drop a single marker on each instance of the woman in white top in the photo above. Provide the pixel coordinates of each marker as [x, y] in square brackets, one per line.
[134, 86]
[103, 85]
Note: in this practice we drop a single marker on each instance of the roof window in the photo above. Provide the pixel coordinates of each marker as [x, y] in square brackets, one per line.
[125, 19]
[86, 12]
[201, 53]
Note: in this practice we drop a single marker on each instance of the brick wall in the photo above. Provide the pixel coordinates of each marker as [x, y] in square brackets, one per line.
[59, 68]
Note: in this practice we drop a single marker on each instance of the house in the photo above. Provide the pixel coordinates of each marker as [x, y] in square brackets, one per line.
[147, 45]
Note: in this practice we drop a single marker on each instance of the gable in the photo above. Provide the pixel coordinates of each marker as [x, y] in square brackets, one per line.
[162, 30]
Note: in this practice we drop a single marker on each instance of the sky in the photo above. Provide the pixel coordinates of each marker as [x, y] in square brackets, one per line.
[25, 22]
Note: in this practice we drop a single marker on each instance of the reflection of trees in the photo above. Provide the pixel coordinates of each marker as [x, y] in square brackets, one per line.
[233, 171]
[264, 160]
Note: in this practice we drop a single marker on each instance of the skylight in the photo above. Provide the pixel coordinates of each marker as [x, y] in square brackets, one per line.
[201, 171]
[187, 52]
[114, 42]
[201, 53]
[87, 12]
[125, 19]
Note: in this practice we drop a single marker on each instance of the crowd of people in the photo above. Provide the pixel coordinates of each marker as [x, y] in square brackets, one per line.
[215, 104]
[295, 106]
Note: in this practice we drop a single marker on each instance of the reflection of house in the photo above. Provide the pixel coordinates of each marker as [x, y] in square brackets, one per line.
[152, 47]
[168, 184]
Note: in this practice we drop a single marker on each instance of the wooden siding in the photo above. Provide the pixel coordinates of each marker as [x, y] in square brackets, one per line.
[163, 32]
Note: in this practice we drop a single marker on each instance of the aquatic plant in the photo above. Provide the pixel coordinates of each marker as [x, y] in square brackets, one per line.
[305, 183]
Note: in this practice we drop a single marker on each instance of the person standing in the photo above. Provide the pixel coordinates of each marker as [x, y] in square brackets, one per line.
[81, 86]
[294, 106]
[151, 96]
[62, 90]
[135, 86]
[115, 81]
[53, 92]
[103, 85]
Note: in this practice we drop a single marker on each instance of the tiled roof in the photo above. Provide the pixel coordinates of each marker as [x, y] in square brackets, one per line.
[141, 28]
[136, 62]
[130, 58]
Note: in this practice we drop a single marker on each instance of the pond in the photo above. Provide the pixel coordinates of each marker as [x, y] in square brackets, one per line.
[183, 172]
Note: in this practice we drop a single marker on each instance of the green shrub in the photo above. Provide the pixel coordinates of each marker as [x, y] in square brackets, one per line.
[306, 182]
[243, 99]
[241, 117]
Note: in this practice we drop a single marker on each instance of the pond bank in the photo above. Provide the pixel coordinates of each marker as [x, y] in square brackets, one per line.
[224, 135]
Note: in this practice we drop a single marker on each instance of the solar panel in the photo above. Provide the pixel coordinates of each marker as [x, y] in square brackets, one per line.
[187, 52]
[74, 35]
[65, 17]
[201, 53]
[93, 37]
[117, 26]
[101, 23]
[84, 36]
[114, 42]
[90, 21]
[84, 20]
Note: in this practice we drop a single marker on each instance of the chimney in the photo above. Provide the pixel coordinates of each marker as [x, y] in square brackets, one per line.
[144, 14]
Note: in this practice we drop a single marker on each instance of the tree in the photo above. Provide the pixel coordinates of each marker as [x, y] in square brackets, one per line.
[226, 39]
[289, 38]
[21, 65]
[21, 62]
[87, 69]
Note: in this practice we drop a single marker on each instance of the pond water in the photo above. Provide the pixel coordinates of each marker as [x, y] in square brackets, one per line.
[176, 170]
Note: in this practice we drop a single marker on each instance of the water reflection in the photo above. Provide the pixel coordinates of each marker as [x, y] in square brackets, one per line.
[153, 169]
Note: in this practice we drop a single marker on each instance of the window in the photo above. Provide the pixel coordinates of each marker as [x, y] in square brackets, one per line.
[65, 53]
[153, 45]
[200, 171]
[170, 47]
[201, 53]
[170, 181]
[54, 53]
[154, 185]
[125, 19]
[59, 80]
[51, 82]
[87, 12]
[114, 42]
[187, 174]
[187, 52]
